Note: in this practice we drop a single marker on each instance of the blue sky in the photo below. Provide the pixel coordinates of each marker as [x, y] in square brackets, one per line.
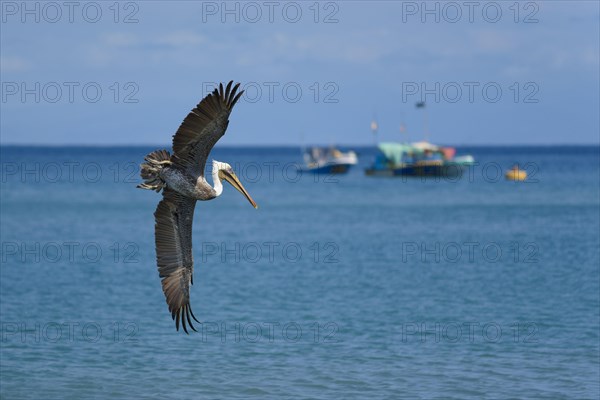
[490, 73]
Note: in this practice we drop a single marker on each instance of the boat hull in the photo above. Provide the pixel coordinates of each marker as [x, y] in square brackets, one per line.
[439, 170]
[330, 169]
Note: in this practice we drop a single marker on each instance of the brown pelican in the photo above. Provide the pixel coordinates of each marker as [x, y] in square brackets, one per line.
[181, 178]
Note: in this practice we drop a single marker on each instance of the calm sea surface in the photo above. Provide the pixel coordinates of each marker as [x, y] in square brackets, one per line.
[337, 286]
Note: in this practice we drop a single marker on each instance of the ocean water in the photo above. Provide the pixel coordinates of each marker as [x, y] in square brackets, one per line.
[337, 286]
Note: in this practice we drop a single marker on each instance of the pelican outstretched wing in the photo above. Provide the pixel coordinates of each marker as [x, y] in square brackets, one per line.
[173, 233]
[203, 127]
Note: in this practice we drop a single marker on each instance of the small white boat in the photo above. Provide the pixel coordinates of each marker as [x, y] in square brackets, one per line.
[329, 160]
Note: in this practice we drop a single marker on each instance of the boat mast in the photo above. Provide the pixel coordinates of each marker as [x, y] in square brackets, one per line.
[426, 124]
[374, 129]
[302, 144]
[421, 104]
[403, 132]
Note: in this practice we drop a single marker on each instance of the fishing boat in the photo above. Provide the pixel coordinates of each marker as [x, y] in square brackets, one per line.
[328, 160]
[418, 159]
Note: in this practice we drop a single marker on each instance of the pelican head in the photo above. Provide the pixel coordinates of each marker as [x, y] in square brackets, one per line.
[223, 171]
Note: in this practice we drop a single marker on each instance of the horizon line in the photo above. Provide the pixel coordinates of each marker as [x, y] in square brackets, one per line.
[294, 145]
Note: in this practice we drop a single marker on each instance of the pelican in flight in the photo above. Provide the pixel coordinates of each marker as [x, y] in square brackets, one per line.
[181, 178]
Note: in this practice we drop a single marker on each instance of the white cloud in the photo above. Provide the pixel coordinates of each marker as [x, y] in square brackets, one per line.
[180, 38]
[13, 64]
[173, 39]
[133, 49]
[591, 56]
[518, 72]
[497, 41]
[121, 39]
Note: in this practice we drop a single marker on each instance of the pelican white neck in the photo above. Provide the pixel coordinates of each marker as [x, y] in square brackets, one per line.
[224, 171]
[217, 184]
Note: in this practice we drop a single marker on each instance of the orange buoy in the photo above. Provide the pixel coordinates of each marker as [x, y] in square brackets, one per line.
[516, 174]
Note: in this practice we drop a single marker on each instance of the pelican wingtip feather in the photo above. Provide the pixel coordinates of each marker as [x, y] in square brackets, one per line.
[182, 314]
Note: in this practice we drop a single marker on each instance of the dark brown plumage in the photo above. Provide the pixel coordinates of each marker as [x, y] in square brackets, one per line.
[181, 177]
[203, 127]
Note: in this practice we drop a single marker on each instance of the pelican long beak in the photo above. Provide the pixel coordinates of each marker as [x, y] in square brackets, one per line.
[232, 178]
